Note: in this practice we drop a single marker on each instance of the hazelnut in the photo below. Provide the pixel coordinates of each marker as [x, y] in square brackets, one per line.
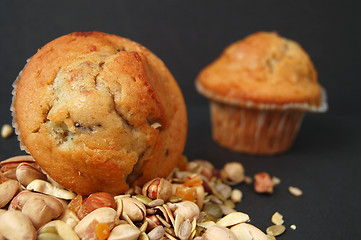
[158, 188]
[233, 173]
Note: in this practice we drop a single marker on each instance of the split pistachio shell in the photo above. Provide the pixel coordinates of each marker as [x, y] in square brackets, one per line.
[8, 166]
[27, 172]
[105, 215]
[218, 233]
[47, 188]
[134, 209]
[184, 210]
[8, 190]
[185, 230]
[124, 232]
[16, 226]
[240, 229]
[233, 219]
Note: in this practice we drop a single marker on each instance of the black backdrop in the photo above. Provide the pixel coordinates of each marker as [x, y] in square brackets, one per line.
[189, 34]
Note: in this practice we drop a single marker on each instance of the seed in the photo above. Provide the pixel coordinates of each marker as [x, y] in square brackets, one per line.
[213, 209]
[156, 202]
[293, 227]
[6, 131]
[275, 230]
[276, 181]
[175, 199]
[236, 195]
[277, 218]
[229, 203]
[144, 199]
[49, 236]
[248, 180]
[269, 237]
[295, 191]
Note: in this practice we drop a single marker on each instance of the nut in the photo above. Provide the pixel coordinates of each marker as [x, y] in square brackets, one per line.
[38, 212]
[157, 233]
[293, 227]
[158, 188]
[27, 172]
[276, 181]
[233, 219]
[23, 197]
[219, 233]
[245, 229]
[8, 166]
[184, 211]
[124, 232]
[263, 183]
[70, 218]
[133, 208]
[46, 188]
[98, 200]
[8, 189]
[233, 173]
[15, 225]
[202, 167]
[277, 218]
[105, 215]
[55, 230]
[236, 195]
[275, 230]
[295, 191]
[6, 131]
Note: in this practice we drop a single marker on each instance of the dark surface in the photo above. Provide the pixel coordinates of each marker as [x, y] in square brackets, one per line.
[325, 160]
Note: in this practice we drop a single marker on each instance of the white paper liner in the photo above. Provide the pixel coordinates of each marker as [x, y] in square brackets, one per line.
[323, 107]
[12, 109]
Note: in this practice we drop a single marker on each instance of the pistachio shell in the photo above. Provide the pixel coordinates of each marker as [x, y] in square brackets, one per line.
[7, 191]
[15, 225]
[27, 172]
[219, 233]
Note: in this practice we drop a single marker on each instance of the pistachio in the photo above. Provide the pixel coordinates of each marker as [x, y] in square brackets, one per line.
[47, 188]
[185, 230]
[15, 225]
[105, 215]
[219, 233]
[124, 232]
[23, 197]
[158, 188]
[153, 222]
[224, 189]
[134, 209]
[38, 212]
[27, 172]
[205, 168]
[233, 219]
[8, 190]
[8, 166]
[254, 232]
[157, 233]
[184, 210]
[200, 196]
[275, 230]
[233, 173]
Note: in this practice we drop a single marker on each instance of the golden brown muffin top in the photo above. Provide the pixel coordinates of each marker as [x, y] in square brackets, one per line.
[263, 70]
[99, 112]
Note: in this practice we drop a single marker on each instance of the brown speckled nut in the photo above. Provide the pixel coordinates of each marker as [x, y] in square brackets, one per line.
[99, 112]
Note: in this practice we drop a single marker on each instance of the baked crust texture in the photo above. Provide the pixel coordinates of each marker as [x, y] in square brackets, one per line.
[263, 71]
[99, 112]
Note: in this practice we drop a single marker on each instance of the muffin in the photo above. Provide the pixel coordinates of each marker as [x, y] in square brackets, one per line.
[259, 89]
[99, 112]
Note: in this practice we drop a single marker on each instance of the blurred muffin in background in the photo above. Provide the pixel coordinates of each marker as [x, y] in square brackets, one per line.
[259, 89]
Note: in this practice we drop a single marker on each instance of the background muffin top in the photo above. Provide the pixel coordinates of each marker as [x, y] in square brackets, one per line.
[263, 68]
[99, 113]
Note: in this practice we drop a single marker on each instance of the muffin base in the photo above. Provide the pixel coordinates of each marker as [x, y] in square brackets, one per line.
[257, 132]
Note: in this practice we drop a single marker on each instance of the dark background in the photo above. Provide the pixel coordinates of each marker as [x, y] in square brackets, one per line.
[187, 35]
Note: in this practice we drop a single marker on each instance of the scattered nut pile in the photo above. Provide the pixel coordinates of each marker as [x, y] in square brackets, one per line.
[195, 203]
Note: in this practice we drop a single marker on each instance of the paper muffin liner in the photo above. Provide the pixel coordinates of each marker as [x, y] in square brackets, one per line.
[12, 109]
[260, 132]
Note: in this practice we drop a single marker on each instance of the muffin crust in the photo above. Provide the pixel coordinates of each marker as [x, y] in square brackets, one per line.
[99, 113]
